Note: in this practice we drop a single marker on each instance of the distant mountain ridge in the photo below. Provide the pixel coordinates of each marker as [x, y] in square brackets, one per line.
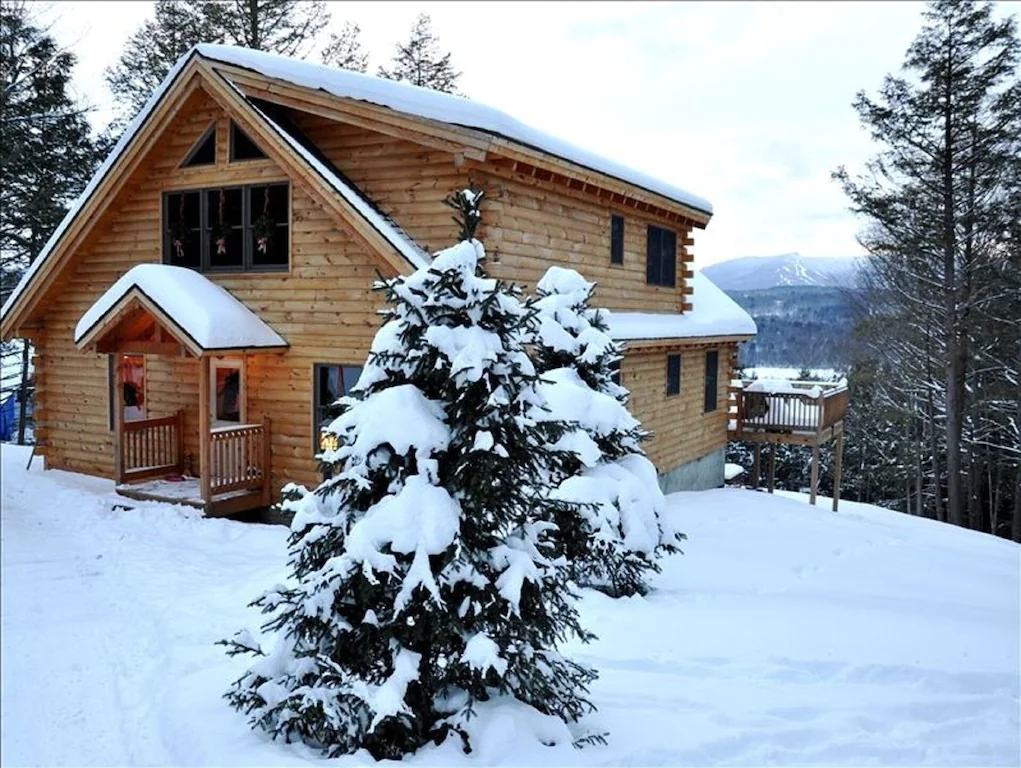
[751, 273]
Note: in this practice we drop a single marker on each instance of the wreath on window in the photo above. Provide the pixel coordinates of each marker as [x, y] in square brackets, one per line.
[264, 227]
[180, 233]
[221, 229]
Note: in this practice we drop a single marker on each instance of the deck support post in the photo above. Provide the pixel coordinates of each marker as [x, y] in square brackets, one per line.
[772, 467]
[837, 464]
[814, 482]
[205, 460]
[757, 467]
[267, 475]
[118, 419]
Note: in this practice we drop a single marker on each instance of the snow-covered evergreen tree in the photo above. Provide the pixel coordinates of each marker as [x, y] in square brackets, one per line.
[423, 582]
[615, 532]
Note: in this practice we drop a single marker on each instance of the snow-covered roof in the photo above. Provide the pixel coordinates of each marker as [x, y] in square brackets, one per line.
[443, 107]
[210, 316]
[381, 223]
[713, 313]
[104, 167]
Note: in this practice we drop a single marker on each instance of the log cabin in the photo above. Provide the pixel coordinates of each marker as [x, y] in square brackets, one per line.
[209, 293]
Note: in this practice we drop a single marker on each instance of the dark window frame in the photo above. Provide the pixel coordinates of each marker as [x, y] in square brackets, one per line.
[247, 229]
[673, 374]
[661, 256]
[318, 414]
[232, 157]
[712, 380]
[209, 133]
[616, 239]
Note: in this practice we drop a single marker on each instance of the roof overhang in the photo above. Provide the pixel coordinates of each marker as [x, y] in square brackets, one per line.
[199, 316]
[189, 74]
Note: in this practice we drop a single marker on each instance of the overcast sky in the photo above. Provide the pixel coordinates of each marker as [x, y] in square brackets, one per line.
[746, 104]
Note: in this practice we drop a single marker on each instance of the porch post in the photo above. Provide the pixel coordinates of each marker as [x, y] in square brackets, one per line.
[118, 418]
[205, 462]
[838, 462]
[814, 481]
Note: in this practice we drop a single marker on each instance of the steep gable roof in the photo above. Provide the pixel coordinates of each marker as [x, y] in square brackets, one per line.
[442, 107]
[368, 222]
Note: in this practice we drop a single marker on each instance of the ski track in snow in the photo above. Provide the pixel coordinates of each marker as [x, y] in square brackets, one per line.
[785, 635]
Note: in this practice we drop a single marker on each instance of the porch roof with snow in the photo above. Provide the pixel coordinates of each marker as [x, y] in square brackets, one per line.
[200, 315]
[713, 314]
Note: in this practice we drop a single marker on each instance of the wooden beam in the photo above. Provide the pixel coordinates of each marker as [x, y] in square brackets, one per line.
[814, 481]
[837, 464]
[772, 467]
[204, 458]
[431, 134]
[139, 347]
[118, 420]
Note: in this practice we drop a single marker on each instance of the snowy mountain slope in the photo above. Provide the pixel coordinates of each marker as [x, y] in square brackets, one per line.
[786, 634]
[751, 273]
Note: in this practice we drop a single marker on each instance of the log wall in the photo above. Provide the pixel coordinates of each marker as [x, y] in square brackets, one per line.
[324, 307]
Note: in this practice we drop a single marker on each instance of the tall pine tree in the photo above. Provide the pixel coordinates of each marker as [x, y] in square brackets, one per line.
[287, 27]
[937, 204]
[420, 62]
[422, 582]
[176, 26]
[47, 155]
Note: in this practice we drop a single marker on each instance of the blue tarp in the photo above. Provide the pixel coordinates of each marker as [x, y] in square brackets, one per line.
[9, 417]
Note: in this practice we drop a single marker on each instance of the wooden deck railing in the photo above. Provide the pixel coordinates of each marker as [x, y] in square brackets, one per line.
[151, 448]
[789, 411]
[238, 459]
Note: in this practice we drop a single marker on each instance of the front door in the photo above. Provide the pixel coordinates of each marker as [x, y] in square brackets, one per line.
[227, 398]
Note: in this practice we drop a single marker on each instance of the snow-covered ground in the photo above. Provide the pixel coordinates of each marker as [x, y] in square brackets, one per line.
[786, 635]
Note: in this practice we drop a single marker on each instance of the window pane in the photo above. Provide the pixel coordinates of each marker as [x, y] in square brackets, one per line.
[242, 147]
[712, 365]
[652, 256]
[228, 394]
[183, 235]
[668, 256]
[616, 239]
[673, 374]
[351, 374]
[204, 153]
[269, 217]
[225, 237]
[133, 367]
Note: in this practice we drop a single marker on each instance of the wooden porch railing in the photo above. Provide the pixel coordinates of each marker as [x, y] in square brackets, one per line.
[789, 411]
[151, 448]
[238, 460]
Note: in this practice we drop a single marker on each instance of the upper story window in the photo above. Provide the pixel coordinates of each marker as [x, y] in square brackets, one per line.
[204, 151]
[661, 257]
[616, 239]
[229, 229]
[673, 374]
[712, 373]
[242, 147]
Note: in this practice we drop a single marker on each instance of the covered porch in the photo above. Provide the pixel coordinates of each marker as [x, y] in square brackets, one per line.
[157, 312]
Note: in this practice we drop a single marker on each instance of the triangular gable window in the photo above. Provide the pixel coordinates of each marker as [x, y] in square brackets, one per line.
[242, 147]
[204, 151]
